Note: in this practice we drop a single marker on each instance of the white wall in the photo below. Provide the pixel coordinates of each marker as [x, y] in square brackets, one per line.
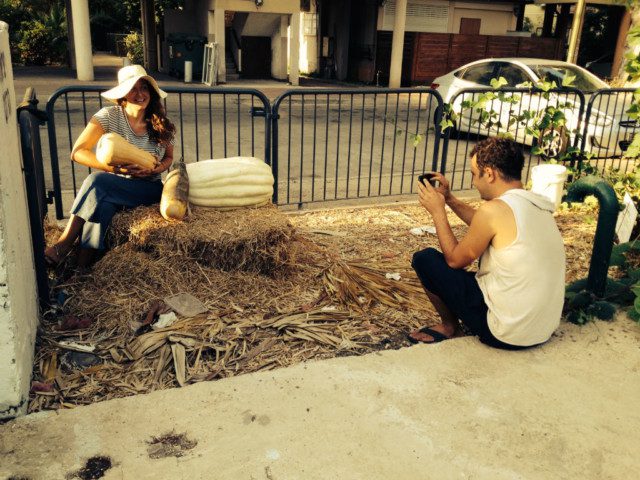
[444, 17]
[18, 296]
[279, 50]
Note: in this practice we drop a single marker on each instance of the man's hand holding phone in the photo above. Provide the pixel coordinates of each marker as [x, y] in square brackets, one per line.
[434, 191]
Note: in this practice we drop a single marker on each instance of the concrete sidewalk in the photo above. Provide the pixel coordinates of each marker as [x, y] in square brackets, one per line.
[458, 409]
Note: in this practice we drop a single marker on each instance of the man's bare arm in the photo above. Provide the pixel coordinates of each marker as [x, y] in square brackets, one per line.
[460, 208]
[463, 210]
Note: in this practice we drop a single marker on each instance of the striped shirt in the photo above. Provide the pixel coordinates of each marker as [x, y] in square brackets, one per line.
[114, 119]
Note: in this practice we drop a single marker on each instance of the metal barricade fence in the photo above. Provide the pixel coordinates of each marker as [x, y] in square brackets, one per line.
[344, 144]
[608, 128]
[509, 111]
[331, 144]
[210, 123]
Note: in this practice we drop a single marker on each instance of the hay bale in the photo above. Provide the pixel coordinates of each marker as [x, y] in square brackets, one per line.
[250, 240]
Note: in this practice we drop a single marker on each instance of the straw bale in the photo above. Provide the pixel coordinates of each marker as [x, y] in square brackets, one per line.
[249, 239]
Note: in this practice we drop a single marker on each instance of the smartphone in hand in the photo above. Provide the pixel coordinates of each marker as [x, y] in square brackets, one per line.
[429, 177]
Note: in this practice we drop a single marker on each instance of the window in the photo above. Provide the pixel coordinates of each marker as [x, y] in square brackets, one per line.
[422, 15]
[557, 73]
[480, 74]
[513, 74]
[309, 23]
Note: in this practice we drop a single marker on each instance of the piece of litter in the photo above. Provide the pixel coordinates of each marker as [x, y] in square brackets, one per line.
[422, 230]
[393, 276]
[331, 233]
[185, 304]
[79, 360]
[329, 308]
[400, 215]
[78, 347]
[164, 320]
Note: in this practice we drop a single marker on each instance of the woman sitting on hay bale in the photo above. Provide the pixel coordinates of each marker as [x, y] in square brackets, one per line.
[139, 117]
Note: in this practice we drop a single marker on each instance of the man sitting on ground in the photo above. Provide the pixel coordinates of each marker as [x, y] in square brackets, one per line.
[515, 299]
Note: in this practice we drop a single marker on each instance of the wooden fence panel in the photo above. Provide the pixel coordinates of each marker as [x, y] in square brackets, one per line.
[430, 56]
[501, 46]
[435, 54]
[538, 48]
[467, 48]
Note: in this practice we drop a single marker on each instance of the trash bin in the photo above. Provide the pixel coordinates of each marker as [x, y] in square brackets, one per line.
[185, 47]
[548, 180]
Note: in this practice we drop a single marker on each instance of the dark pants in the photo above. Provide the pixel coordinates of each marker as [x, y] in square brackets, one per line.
[459, 291]
[102, 195]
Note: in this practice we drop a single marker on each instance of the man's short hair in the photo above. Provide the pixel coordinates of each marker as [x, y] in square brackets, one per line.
[501, 154]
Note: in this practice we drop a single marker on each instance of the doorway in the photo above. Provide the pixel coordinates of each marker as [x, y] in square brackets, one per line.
[256, 57]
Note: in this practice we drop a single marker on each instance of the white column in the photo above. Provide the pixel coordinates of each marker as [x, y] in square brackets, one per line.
[397, 44]
[294, 47]
[576, 31]
[211, 26]
[283, 49]
[218, 20]
[18, 297]
[82, 39]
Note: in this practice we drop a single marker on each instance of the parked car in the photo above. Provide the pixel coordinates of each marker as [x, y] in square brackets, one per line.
[601, 66]
[605, 137]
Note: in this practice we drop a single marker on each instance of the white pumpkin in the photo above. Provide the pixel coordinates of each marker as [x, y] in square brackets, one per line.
[230, 182]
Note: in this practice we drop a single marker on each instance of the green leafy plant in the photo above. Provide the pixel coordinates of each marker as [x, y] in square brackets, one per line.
[43, 39]
[135, 49]
[582, 306]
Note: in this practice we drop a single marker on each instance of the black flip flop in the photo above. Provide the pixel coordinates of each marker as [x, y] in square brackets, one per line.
[437, 336]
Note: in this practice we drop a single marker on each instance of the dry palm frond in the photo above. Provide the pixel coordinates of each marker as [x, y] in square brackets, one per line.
[360, 284]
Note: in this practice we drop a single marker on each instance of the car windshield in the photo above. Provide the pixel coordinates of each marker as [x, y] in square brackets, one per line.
[557, 73]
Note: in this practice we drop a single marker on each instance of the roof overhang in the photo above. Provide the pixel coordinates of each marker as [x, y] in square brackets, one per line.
[618, 3]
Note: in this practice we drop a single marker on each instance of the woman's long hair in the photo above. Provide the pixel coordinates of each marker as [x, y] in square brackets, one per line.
[159, 127]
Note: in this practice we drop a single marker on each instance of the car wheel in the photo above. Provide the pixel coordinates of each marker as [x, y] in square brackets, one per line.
[553, 142]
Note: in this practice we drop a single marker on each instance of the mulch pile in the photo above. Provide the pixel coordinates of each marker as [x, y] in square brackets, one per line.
[278, 290]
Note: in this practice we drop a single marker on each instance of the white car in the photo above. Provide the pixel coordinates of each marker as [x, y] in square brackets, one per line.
[609, 129]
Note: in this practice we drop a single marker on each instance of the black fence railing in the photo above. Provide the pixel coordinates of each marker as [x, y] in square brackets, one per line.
[210, 123]
[29, 120]
[608, 129]
[344, 144]
[510, 111]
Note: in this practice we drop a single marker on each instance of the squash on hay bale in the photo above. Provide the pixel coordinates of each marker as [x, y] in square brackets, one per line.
[251, 239]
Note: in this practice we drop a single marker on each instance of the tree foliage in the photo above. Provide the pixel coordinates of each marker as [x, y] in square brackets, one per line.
[38, 30]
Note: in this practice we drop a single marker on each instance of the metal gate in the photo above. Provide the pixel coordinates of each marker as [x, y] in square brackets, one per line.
[210, 123]
[342, 144]
[508, 111]
[608, 129]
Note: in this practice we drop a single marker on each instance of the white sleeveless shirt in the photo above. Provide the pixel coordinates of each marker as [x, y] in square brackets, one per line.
[523, 283]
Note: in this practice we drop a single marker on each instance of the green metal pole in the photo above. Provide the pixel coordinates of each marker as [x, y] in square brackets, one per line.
[605, 230]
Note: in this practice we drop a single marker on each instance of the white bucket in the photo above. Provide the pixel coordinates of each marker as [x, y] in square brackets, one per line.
[188, 71]
[548, 181]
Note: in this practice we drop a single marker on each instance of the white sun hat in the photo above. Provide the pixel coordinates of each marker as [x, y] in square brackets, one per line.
[127, 78]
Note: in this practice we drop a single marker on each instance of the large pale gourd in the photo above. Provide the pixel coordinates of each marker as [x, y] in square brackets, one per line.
[175, 193]
[230, 182]
[113, 150]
